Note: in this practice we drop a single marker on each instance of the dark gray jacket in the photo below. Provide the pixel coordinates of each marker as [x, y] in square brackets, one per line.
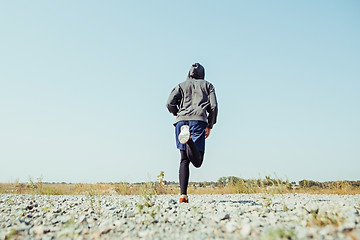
[194, 99]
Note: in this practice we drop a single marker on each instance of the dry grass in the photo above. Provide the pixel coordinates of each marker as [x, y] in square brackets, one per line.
[323, 218]
[239, 186]
[338, 187]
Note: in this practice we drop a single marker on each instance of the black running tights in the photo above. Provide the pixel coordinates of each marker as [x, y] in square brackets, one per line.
[193, 155]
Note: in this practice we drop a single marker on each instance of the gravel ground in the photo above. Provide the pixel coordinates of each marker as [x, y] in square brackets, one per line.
[238, 216]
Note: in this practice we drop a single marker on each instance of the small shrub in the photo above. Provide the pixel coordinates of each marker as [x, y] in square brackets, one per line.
[243, 187]
[161, 183]
[147, 191]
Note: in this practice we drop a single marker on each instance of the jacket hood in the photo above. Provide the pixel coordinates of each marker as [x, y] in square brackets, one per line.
[197, 71]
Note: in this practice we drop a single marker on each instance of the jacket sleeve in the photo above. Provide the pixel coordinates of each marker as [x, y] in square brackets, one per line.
[213, 107]
[174, 100]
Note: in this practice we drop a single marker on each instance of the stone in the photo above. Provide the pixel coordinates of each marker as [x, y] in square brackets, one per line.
[231, 226]
[65, 219]
[105, 227]
[38, 230]
[226, 217]
[82, 219]
[245, 230]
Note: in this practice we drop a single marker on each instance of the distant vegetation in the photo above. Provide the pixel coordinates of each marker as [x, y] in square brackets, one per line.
[224, 185]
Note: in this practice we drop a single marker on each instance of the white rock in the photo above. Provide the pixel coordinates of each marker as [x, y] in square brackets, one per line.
[245, 230]
[231, 226]
[38, 230]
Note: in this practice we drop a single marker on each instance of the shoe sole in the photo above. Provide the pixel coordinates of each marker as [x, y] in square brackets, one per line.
[184, 135]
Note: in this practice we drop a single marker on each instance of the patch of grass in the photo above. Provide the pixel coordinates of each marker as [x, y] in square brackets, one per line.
[20, 187]
[196, 210]
[94, 197]
[13, 233]
[279, 233]
[268, 202]
[147, 192]
[123, 204]
[69, 223]
[323, 218]
[46, 209]
[285, 208]
[153, 211]
[9, 201]
[123, 188]
[146, 205]
[245, 187]
[342, 187]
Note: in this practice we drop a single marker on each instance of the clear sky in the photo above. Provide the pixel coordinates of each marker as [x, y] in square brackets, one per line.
[83, 88]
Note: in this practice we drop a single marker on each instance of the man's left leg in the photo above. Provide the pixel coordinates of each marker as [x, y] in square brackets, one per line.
[195, 147]
[195, 156]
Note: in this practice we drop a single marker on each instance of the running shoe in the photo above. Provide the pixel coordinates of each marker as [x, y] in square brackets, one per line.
[184, 199]
[184, 135]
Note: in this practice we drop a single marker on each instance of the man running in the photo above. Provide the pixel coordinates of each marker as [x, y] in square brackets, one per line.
[194, 104]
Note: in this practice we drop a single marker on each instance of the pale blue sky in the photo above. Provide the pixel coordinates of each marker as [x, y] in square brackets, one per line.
[83, 87]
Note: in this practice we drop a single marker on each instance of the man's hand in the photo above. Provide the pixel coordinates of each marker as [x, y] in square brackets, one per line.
[207, 132]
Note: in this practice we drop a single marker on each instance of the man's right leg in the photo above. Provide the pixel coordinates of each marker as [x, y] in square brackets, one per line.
[184, 172]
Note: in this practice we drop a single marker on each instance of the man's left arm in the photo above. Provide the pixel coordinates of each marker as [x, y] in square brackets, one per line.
[174, 100]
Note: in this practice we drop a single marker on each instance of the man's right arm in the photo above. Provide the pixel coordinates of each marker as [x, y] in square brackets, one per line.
[213, 107]
[207, 132]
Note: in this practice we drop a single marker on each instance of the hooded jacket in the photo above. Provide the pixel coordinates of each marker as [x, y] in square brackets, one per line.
[194, 99]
